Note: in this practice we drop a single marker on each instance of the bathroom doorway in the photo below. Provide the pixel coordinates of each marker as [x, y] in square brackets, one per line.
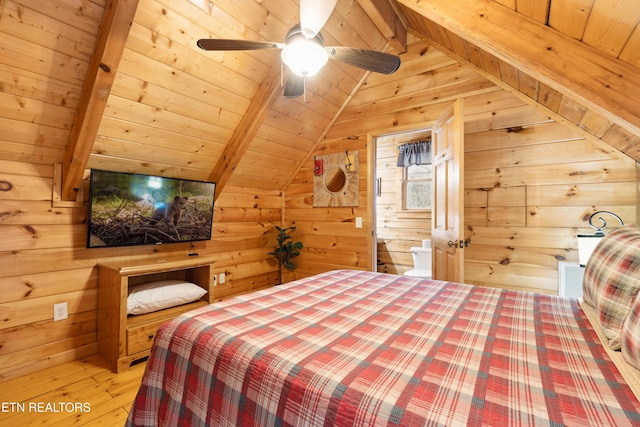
[401, 202]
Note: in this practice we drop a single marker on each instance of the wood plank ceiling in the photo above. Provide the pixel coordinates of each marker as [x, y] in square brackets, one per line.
[175, 110]
[584, 72]
[167, 91]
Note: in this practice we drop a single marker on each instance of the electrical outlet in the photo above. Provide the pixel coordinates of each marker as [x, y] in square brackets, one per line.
[60, 311]
[222, 278]
[215, 280]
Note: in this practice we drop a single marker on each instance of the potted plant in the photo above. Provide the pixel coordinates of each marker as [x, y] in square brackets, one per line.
[286, 249]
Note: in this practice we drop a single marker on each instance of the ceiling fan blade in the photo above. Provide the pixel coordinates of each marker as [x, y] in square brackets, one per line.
[314, 14]
[229, 44]
[372, 60]
[294, 86]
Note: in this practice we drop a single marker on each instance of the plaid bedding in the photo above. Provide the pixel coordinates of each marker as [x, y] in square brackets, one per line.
[354, 348]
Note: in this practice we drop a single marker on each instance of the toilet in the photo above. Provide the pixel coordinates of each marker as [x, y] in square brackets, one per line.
[421, 260]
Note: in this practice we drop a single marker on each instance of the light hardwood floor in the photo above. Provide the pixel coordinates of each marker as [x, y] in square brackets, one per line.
[80, 393]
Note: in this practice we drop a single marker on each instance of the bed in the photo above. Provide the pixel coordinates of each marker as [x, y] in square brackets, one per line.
[356, 348]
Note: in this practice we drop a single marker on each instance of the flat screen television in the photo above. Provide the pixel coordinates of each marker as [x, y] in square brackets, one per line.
[127, 209]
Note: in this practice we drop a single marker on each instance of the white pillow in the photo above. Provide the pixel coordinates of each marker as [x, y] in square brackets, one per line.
[154, 296]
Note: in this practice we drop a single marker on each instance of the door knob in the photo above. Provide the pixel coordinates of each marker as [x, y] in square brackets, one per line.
[452, 244]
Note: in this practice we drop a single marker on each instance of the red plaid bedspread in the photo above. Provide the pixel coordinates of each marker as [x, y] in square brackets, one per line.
[353, 348]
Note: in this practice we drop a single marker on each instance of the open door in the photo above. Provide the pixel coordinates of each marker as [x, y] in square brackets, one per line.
[447, 233]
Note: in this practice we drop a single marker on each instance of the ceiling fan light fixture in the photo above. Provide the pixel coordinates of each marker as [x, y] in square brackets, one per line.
[303, 51]
[305, 57]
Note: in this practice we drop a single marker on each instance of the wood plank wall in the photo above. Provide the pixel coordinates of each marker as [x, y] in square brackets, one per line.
[530, 185]
[409, 98]
[530, 182]
[329, 235]
[43, 261]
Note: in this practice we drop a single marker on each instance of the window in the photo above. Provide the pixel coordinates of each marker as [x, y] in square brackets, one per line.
[416, 187]
[414, 166]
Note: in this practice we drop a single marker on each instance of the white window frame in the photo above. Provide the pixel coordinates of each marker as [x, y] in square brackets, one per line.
[403, 194]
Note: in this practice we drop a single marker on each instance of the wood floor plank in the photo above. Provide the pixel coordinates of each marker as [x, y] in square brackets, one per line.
[115, 418]
[83, 392]
[64, 403]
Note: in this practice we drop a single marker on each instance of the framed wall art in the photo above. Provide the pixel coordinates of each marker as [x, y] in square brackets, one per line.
[336, 182]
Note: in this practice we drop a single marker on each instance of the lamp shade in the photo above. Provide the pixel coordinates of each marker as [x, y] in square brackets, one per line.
[586, 244]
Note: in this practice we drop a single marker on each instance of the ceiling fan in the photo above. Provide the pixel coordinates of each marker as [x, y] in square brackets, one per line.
[303, 51]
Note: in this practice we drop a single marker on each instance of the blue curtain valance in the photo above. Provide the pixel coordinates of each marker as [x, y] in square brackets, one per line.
[414, 153]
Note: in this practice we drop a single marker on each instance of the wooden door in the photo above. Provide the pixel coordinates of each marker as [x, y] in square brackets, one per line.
[447, 231]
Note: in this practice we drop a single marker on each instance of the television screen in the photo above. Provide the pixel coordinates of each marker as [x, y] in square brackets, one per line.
[128, 209]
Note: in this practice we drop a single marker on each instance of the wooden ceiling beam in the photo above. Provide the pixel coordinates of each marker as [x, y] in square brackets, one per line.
[246, 130]
[385, 17]
[600, 81]
[605, 147]
[112, 37]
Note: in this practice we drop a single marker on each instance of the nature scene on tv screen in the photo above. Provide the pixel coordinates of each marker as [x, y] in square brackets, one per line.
[132, 209]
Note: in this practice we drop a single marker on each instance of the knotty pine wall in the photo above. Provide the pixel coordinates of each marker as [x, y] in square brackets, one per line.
[329, 235]
[529, 185]
[43, 261]
[530, 182]
[412, 97]
[42, 256]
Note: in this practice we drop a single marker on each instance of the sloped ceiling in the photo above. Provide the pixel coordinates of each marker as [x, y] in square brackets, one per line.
[167, 90]
[175, 110]
[577, 62]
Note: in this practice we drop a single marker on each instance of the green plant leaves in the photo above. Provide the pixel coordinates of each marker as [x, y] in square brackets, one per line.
[286, 249]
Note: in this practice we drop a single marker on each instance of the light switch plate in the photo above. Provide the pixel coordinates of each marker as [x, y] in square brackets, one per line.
[358, 222]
